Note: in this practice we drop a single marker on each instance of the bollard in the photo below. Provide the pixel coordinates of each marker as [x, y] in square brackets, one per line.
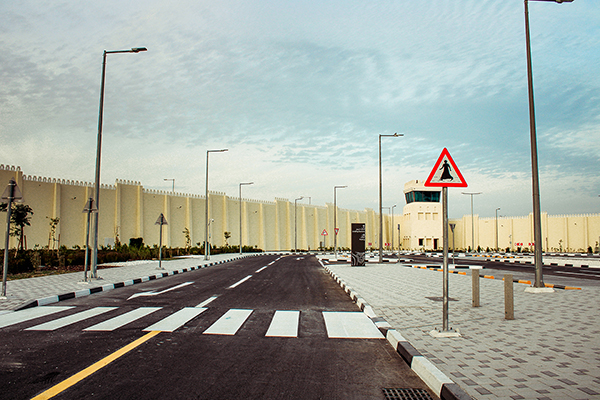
[475, 279]
[509, 304]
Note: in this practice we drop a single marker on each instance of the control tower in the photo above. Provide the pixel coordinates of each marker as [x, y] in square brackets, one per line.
[422, 217]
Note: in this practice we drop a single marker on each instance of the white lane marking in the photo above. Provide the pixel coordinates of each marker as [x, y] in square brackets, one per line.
[350, 325]
[229, 323]
[161, 292]
[240, 282]
[16, 317]
[258, 270]
[175, 321]
[71, 319]
[284, 324]
[207, 301]
[123, 319]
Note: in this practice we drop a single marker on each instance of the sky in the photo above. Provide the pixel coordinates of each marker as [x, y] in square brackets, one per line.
[299, 92]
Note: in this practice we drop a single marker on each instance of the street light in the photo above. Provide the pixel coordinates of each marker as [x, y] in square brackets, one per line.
[389, 211]
[335, 218]
[98, 153]
[296, 223]
[537, 219]
[206, 243]
[241, 184]
[497, 228]
[392, 211]
[380, 198]
[472, 221]
[171, 179]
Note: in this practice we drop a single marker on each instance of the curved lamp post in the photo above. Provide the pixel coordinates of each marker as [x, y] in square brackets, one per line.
[207, 222]
[98, 153]
[242, 184]
[296, 224]
[335, 218]
[380, 198]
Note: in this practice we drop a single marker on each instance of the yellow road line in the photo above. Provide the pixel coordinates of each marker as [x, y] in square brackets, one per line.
[67, 383]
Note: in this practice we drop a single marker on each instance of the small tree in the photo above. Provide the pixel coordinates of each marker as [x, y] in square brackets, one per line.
[52, 234]
[227, 236]
[188, 239]
[20, 217]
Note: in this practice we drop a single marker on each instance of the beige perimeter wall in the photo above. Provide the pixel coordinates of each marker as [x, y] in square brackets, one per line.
[128, 210]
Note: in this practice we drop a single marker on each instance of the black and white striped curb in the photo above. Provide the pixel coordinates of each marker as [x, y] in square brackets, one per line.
[435, 379]
[110, 286]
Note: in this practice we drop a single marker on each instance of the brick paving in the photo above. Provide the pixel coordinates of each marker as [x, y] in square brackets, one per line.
[551, 350]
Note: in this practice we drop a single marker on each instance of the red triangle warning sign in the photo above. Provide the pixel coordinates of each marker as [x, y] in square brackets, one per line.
[445, 173]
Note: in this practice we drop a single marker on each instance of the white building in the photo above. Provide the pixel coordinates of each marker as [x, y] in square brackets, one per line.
[422, 217]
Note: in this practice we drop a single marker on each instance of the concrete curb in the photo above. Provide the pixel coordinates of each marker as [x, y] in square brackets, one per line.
[435, 379]
[110, 286]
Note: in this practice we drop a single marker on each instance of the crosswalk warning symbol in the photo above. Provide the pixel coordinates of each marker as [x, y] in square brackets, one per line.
[324, 233]
[445, 173]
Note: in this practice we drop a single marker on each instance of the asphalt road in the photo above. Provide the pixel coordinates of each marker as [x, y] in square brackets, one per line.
[213, 333]
[567, 276]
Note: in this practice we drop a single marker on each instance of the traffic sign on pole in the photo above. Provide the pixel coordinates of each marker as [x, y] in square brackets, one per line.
[324, 233]
[445, 173]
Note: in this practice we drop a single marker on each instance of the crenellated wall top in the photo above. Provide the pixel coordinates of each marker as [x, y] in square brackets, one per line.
[10, 168]
[127, 182]
[169, 193]
[33, 178]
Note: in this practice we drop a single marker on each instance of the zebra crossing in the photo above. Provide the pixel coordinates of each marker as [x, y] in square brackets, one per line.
[284, 323]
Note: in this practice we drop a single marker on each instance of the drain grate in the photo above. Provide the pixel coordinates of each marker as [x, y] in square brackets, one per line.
[406, 394]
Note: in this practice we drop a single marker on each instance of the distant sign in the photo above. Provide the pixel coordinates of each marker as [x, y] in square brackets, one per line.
[337, 230]
[324, 233]
[445, 173]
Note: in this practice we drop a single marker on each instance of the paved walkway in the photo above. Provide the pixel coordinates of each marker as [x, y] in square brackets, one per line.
[551, 350]
[24, 291]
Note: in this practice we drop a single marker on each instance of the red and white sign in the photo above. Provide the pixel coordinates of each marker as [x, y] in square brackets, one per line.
[324, 233]
[337, 230]
[445, 173]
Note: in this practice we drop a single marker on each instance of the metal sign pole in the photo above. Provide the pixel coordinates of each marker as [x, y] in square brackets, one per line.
[445, 267]
[12, 185]
[160, 222]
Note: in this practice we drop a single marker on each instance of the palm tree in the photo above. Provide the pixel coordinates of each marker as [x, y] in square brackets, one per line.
[19, 218]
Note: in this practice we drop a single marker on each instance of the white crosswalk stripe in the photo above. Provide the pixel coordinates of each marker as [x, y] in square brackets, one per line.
[123, 319]
[71, 319]
[284, 323]
[229, 323]
[350, 325]
[177, 320]
[16, 317]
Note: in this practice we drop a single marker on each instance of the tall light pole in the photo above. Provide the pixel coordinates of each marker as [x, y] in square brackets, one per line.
[335, 218]
[296, 223]
[537, 219]
[497, 228]
[472, 221]
[380, 198]
[392, 211]
[388, 208]
[171, 179]
[242, 184]
[99, 152]
[206, 243]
